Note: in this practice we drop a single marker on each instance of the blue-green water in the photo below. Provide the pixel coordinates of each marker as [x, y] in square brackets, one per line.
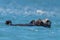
[23, 11]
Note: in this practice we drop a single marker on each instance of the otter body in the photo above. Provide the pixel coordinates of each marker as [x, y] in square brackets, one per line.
[46, 23]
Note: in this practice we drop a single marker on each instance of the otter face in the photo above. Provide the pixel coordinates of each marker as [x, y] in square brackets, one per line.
[48, 23]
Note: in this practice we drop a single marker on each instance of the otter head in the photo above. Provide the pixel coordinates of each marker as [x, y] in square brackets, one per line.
[8, 22]
[47, 23]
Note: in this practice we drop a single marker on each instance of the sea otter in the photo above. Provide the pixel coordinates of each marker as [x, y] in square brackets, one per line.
[39, 22]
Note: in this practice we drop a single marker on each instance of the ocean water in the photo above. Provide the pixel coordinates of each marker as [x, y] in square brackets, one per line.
[23, 11]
